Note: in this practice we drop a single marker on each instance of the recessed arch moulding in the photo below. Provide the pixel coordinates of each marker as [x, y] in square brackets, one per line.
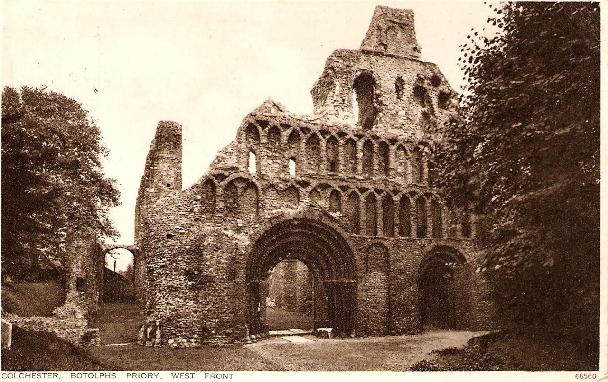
[354, 200]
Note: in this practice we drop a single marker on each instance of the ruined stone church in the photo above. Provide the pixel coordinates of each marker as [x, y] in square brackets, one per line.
[348, 191]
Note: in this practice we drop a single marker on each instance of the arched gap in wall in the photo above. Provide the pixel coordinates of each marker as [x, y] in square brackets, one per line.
[335, 201]
[371, 216]
[252, 163]
[368, 158]
[388, 216]
[383, 159]
[418, 167]
[399, 85]
[465, 228]
[350, 157]
[421, 219]
[274, 137]
[364, 90]
[437, 218]
[405, 224]
[352, 210]
[312, 152]
[331, 150]
[292, 167]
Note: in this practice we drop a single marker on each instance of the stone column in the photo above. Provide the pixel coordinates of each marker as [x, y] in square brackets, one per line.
[340, 165]
[323, 161]
[360, 157]
[445, 221]
[362, 215]
[429, 217]
[408, 174]
[413, 218]
[375, 161]
[392, 162]
[379, 218]
[425, 169]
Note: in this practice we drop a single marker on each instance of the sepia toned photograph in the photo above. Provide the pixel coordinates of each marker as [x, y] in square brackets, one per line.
[211, 187]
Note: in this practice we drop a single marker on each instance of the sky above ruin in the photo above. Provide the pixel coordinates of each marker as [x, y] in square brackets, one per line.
[204, 65]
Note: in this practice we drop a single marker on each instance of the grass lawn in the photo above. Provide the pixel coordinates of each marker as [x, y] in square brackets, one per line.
[134, 357]
[280, 319]
[512, 351]
[28, 299]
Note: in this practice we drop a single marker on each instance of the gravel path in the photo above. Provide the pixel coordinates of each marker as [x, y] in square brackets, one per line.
[396, 353]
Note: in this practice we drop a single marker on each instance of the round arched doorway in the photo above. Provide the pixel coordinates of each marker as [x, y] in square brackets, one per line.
[439, 287]
[324, 251]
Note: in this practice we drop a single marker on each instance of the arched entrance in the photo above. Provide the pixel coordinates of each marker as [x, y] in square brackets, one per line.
[136, 275]
[118, 276]
[439, 288]
[324, 251]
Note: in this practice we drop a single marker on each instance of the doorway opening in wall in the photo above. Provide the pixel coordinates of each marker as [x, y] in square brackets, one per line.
[327, 262]
[294, 298]
[439, 292]
[118, 277]
[120, 316]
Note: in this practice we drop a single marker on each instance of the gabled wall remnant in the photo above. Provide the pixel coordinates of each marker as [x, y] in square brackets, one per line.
[347, 191]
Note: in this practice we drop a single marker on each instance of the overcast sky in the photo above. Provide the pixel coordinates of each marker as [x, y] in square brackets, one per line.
[202, 64]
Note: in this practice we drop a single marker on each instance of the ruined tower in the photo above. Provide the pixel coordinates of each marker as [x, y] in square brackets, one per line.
[348, 191]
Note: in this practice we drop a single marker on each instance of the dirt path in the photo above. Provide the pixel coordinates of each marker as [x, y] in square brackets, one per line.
[119, 323]
[374, 353]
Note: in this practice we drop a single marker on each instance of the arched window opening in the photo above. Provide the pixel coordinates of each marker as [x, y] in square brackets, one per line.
[250, 200]
[465, 228]
[315, 196]
[405, 223]
[352, 211]
[384, 159]
[208, 197]
[443, 100]
[293, 141]
[335, 201]
[420, 95]
[251, 163]
[421, 222]
[368, 158]
[437, 229]
[432, 177]
[350, 157]
[435, 80]
[418, 168]
[364, 92]
[274, 137]
[452, 222]
[291, 196]
[371, 217]
[231, 199]
[388, 216]
[292, 167]
[252, 135]
[313, 152]
[399, 86]
[401, 158]
[331, 149]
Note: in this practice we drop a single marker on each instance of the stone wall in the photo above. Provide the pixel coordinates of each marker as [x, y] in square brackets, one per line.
[348, 190]
[84, 279]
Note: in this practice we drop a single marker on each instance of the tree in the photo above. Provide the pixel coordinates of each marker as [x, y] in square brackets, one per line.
[52, 178]
[524, 155]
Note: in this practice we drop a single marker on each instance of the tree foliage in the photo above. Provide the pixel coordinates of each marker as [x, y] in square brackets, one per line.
[53, 183]
[525, 156]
